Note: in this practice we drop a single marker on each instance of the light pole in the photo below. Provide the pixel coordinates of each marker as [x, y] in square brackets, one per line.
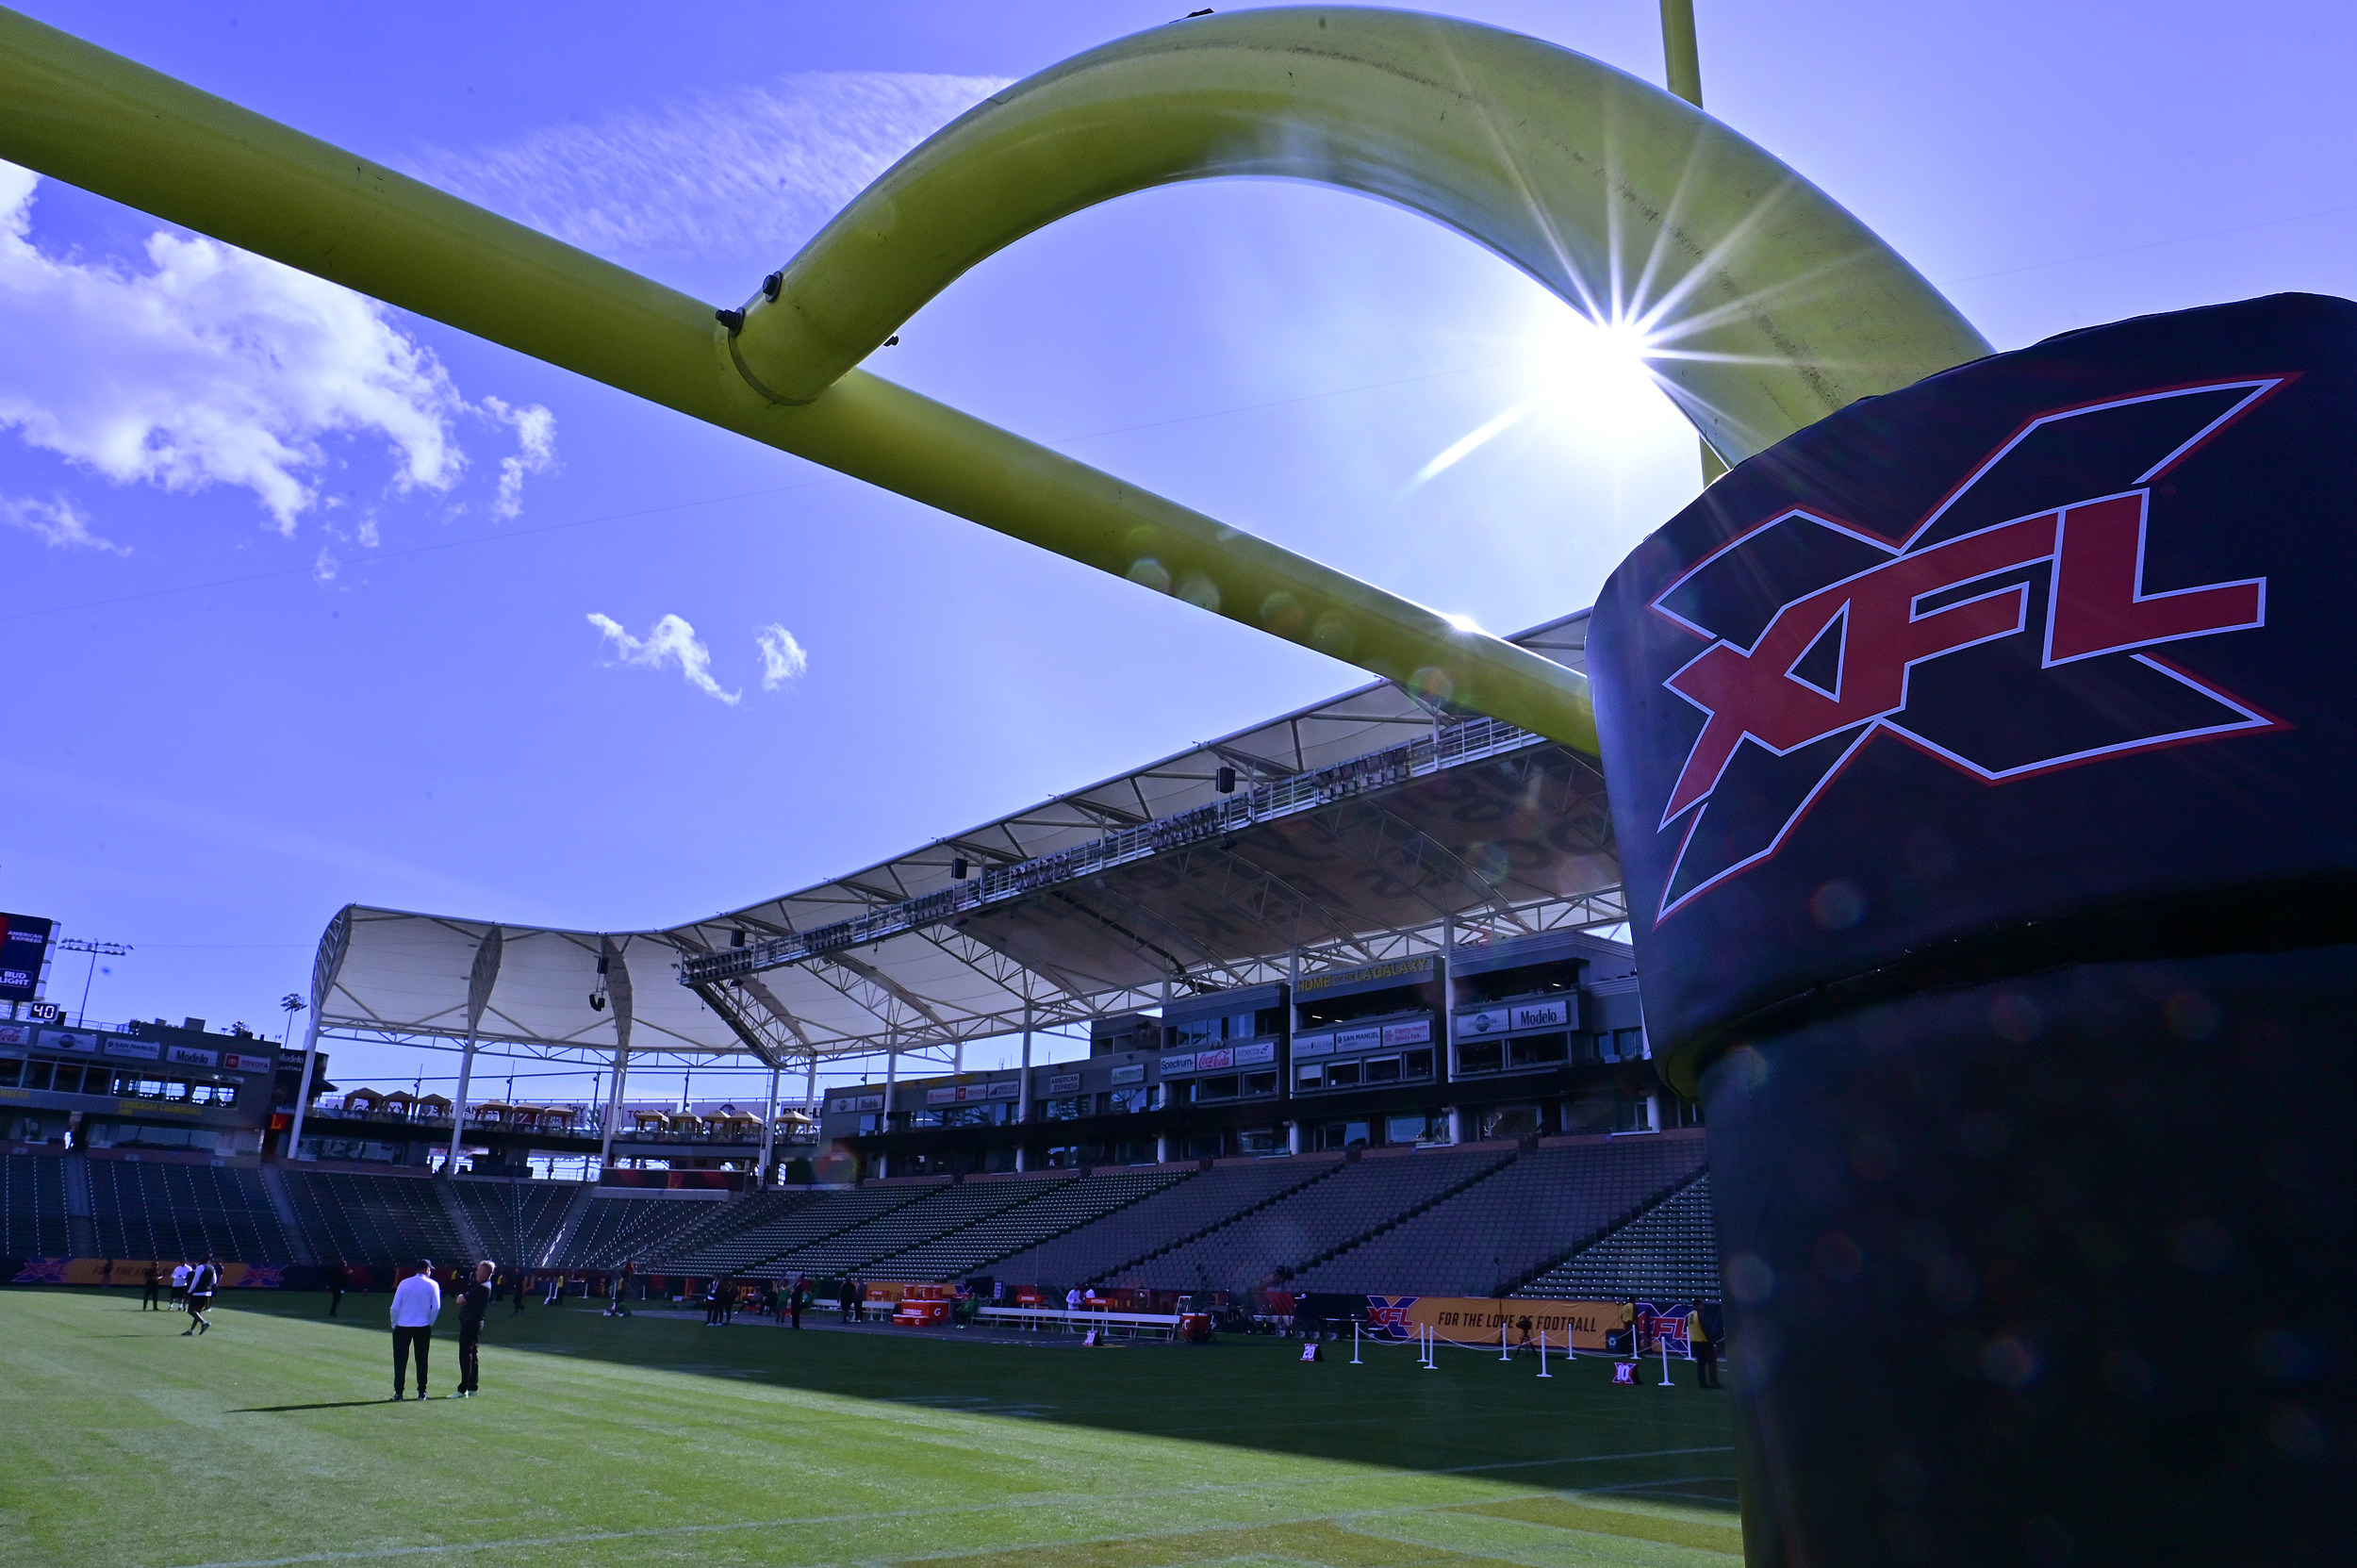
[293, 1004]
[95, 950]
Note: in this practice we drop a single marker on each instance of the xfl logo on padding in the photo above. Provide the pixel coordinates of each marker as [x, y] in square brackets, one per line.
[1391, 1316]
[2011, 631]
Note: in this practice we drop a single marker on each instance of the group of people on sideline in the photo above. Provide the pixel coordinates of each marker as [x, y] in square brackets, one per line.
[724, 1299]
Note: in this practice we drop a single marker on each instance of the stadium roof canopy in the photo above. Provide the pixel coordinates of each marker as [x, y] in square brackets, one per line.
[1372, 826]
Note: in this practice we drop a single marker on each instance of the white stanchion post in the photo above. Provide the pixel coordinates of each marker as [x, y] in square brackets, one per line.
[1504, 1354]
[1542, 1355]
[1663, 1339]
[1431, 1348]
[1354, 1342]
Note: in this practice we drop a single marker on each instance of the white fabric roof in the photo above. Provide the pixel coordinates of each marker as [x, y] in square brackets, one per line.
[1334, 885]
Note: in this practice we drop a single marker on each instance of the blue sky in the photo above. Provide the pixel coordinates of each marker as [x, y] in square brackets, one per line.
[302, 590]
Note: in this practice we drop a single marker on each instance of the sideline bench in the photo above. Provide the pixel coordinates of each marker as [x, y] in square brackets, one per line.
[1041, 1319]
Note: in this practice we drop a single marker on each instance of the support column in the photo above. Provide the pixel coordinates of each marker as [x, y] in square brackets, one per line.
[892, 1080]
[1162, 1149]
[1448, 1001]
[482, 977]
[768, 1131]
[303, 1085]
[612, 1110]
[1292, 1136]
[458, 1107]
[1023, 1098]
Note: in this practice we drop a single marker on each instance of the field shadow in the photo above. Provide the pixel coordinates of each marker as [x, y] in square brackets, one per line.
[329, 1405]
[1475, 1416]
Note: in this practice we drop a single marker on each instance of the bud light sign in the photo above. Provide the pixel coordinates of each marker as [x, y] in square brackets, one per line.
[24, 947]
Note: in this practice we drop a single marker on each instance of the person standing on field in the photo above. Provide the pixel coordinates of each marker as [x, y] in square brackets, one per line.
[417, 1303]
[179, 1285]
[1705, 1348]
[202, 1280]
[474, 1300]
[150, 1303]
[337, 1278]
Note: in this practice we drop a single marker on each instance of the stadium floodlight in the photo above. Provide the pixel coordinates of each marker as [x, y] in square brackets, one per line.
[96, 950]
[1764, 304]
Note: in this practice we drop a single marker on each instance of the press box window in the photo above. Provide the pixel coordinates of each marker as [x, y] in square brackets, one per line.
[1344, 1134]
[1539, 1051]
[1419, 1126]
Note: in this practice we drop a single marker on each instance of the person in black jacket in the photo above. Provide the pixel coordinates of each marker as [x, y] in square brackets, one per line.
[474, 1299]
[201, 1284]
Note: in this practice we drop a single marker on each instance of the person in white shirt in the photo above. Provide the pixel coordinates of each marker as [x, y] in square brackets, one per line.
[417, 1303]
[179, 1284]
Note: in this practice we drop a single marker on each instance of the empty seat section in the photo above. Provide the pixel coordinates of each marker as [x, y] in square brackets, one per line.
[819, 1216]
[1065, 1207]
[371, 1218]
[717, 1224]
[516, 1221]
[618, 1231]
[943, 1208]
[1319, 1217]
[174, 1211]
[1670, 1253]
[1090, 1254]
[32, 1207]
[1503, 1229]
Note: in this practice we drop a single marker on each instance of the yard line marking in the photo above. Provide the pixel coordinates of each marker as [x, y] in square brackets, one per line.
[1049, 1500]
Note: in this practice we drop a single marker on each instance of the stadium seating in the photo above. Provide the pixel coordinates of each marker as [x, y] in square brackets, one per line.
[1309, 1224]
[1513, 1223]
[1066, 1206]
[172, 1209]
[516, 1222]
[617, 1229]
[1586, 1218]
[32, 1207]
[1670, 1253]
[812, 1219]
[371, 1218]
[1176, 1214]
[945, 1207]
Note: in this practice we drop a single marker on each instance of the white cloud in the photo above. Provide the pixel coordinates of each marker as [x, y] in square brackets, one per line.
[673, 641]
[753, 169]
[535, 444]
[782, 657]
[211, 366]
[57, 522]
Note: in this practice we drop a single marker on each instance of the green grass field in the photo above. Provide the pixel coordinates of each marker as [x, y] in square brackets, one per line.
[659, 1441]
